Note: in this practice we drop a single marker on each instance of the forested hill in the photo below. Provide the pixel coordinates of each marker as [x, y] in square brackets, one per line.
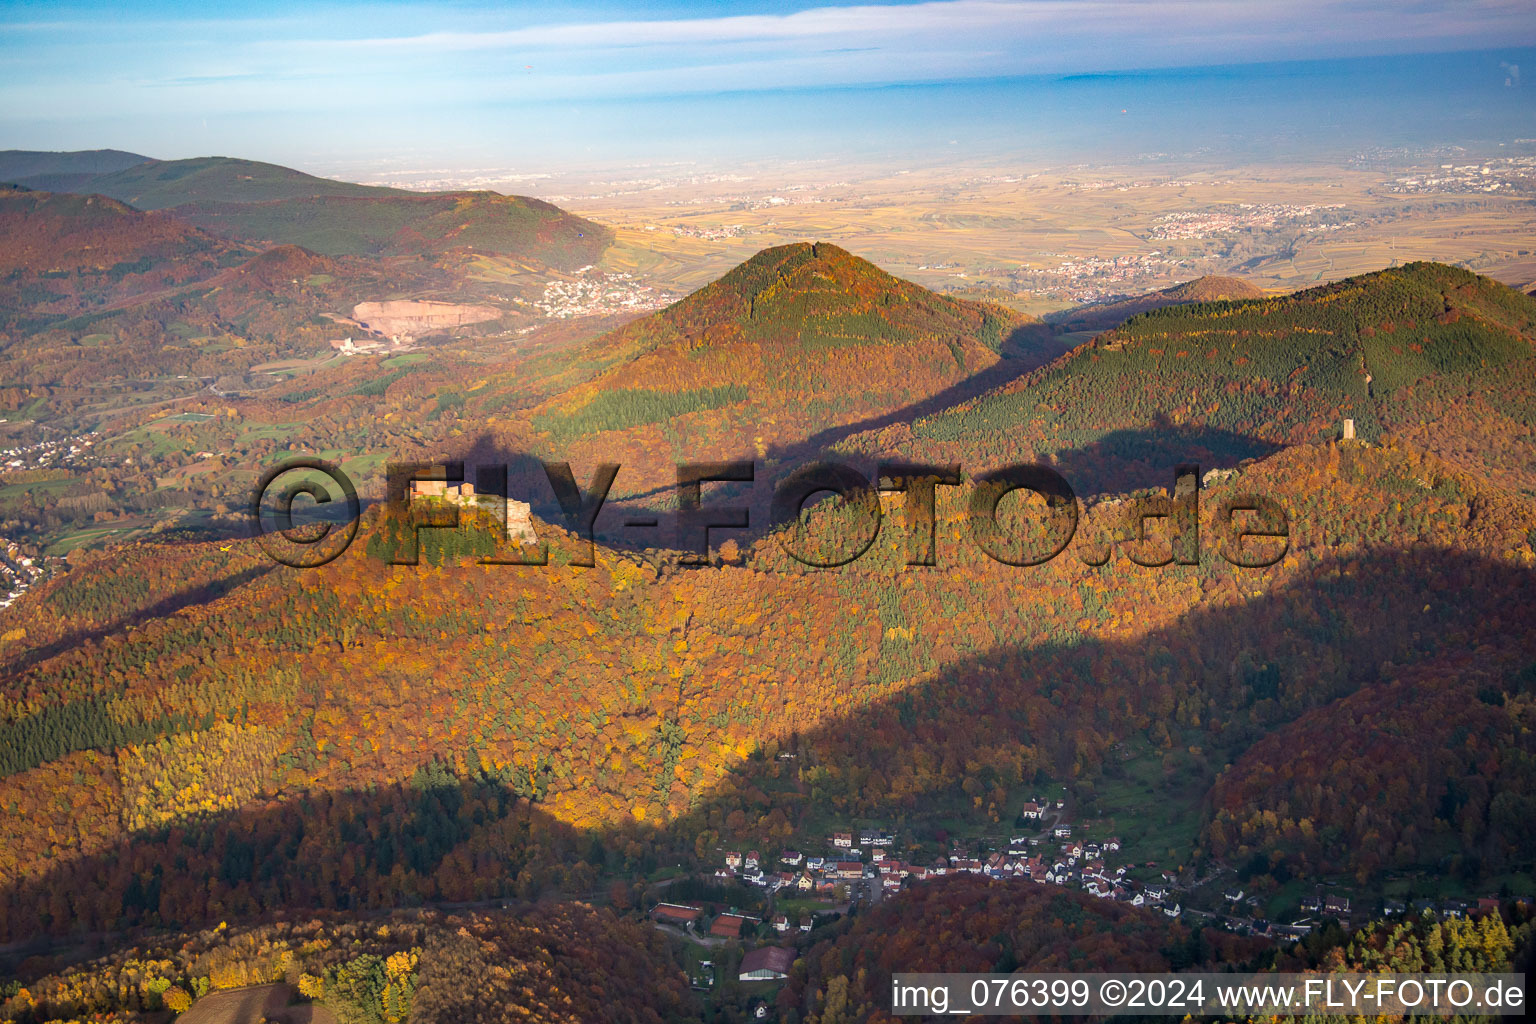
[1105, 315]
[809, 296]
[161, 184]
[412, 224]
[568, 963]
[797, 340]
[1429, 353]
[61, 254]
[44, 232]
[369, 734]
[93, 291]
[251, 201]
[267, 203]
[62, 172]
[990, 927]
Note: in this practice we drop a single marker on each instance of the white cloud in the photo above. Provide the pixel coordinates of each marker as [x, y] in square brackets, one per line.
[1154, 24]
[338, 59]
[893, 43]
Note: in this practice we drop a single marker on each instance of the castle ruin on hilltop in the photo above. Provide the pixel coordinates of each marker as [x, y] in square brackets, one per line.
[517, 515]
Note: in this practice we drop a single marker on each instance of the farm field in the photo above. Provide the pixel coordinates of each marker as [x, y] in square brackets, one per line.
[241, 1006]
[1023, 229]
[256, 1005]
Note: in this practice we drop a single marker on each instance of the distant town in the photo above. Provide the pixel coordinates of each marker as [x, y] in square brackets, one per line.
[592, 292]
[1220, 220]
[1094, 278]
[1510, 175]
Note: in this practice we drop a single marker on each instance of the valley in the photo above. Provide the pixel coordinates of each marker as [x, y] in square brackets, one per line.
[713, 767]
[1056, 236]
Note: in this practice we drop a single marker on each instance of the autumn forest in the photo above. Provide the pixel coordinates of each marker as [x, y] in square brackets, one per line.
[1274, 710]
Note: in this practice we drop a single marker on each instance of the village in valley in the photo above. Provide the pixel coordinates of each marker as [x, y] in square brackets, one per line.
[746, 919]
[800, 889]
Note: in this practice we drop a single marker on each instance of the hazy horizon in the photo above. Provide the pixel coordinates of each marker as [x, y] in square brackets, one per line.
[368, 90]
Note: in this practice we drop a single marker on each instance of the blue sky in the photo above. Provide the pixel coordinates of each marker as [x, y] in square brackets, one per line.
[544, 83]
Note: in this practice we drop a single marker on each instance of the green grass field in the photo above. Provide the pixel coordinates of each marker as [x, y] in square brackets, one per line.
[1156, 813]
[14, 492]
[90, 536]
[797, 907]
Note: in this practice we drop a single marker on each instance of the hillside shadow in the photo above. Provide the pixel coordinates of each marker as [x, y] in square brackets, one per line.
[1132, 460]
[1121, 461]
[169, 605]
[1035, 343]
[1109, 314]
[1031, 346]
[1027, 349]
[437, 837]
